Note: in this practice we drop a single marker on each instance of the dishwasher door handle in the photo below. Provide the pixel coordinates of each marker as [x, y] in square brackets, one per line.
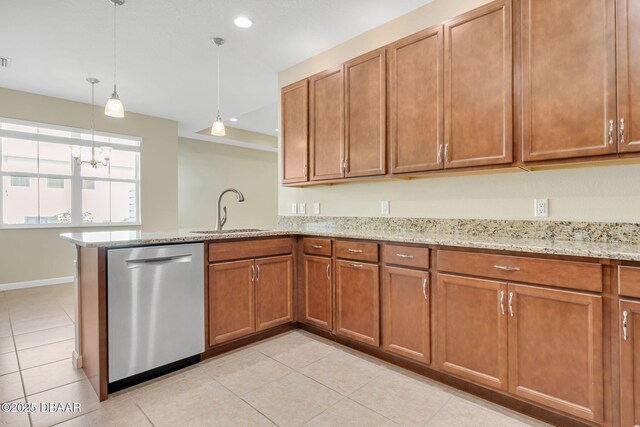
[132, 263]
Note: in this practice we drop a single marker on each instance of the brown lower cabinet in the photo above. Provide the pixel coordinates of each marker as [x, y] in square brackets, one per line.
[406, 313]
[357, 301]
[541, 344]
[630, 363]
[249, 296]
[318, 292]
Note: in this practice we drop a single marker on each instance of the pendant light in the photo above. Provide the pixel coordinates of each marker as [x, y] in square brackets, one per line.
[104, 152]
[114, 107]
[218, 127]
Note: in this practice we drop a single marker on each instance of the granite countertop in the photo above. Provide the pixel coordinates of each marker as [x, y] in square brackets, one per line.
[618, 251]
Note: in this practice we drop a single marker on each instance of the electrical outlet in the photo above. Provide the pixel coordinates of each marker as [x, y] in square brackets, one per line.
[294, 208]
[303, 209]
[384, 207]
[541, 208]
[316, 208]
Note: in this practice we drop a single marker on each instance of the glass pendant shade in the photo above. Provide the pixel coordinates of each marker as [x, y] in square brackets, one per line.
[105, 152]
[218, 128]
[114, 107]
[75, 151]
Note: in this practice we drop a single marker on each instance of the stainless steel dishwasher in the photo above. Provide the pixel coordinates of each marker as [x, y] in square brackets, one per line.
[155, 299]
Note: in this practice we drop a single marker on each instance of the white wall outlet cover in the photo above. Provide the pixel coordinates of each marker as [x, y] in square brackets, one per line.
[303, 208]
[541, 208]
[294, 208]
[316, 208]
[384, 207]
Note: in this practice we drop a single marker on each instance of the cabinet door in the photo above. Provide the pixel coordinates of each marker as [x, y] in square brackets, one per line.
[406, 314]
[555, 349]
[472, 329]
[416, 102]
[365, 115]
[231, 301]
[326, 124]
[357, 302]
[478, 87]
[628, 24]
[294, 110]
[274, 291]
[317, 292]
[568, 78]
[630, 362]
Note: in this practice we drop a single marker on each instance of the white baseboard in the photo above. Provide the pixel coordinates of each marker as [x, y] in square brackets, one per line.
[34, 283]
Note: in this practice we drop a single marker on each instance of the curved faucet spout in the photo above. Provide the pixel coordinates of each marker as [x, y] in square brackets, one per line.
[221, 219]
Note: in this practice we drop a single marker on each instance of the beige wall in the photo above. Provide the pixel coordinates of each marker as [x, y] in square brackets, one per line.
[593, 194]
[38, 253]
[205, 169]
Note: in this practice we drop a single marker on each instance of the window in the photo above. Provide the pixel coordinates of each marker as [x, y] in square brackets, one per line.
[42, 186]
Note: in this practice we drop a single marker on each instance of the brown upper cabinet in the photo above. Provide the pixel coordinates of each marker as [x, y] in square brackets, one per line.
[478, 75]
[568, 78]
[295, 104]
[326, 124]
[416, 102]
[628, 75]
[365, 114]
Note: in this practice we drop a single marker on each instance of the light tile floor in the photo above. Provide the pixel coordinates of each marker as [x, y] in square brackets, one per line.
[294, 379]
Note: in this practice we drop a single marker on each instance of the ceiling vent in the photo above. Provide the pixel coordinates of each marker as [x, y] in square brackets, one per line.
[5, 62]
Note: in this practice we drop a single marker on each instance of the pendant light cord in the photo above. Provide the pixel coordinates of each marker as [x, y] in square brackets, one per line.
[93, 124]
[115, 40]
[218, 91]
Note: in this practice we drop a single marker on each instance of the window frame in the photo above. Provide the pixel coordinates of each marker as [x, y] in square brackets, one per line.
[75, 178]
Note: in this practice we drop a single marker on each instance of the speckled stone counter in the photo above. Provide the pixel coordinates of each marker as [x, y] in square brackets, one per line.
[594, 240]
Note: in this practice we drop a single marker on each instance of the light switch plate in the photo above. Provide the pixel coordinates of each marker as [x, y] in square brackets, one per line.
[294, 208]
[303, 209]
[384, 207]
[541, 208]
[316, 208]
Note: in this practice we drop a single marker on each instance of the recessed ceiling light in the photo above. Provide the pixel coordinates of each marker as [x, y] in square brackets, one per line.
[243, 22]
[277, 130]
[233, 119]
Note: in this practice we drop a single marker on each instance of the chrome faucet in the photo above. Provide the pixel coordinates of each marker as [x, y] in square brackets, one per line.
[222, 220]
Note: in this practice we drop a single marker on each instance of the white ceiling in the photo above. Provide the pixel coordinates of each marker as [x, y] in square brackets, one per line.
[165, 56]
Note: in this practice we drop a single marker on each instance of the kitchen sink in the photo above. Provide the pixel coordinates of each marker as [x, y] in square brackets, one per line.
[236, 230]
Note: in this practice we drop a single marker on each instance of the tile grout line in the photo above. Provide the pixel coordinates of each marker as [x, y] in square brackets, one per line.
[143, 413]
[24, 389]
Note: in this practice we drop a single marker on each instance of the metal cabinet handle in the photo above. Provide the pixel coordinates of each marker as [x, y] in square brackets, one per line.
[405, 256]
[625, 314]
[506, 268]
[357, 265]
[439, 156]
[446, 153]
[355, 251]
[316, 246]
[253, 273]
[329, 271]
[257, 273]
[424, 288]
[502, 302]
[511, 304]
[610, 132]
[621, 131]
[305, 170]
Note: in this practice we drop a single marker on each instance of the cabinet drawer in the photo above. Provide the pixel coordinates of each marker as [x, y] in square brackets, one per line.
[629, 281]
[408, 256]
[359, 251]
[576, 275]
[317, 246]
[225, 251]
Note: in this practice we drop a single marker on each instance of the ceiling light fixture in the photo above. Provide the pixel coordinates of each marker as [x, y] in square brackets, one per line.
[114, 107]
[218, 127]
[233, 119]
[243, 22]
[104, 152]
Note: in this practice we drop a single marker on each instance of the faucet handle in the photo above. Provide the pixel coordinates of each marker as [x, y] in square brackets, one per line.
[223, 220]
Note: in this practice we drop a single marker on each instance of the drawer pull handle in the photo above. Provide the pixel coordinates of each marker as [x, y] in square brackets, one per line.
[405, 256]
[511, 304]
[316, 246]
[506, 268]
[329, 271]
[624, 324]
[424, 288]
[355, 251]
[502, 302]
[357, 265]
